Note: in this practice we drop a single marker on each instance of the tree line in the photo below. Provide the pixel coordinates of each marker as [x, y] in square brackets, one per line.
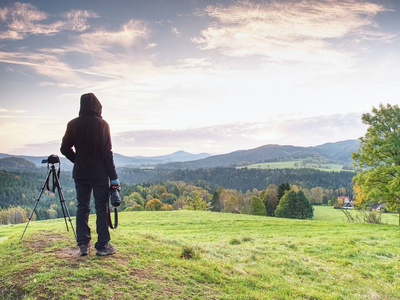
[241, 178]
[19, 189]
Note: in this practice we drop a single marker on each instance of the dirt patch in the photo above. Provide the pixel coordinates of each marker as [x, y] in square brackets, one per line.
[43, 240]
[67, 253]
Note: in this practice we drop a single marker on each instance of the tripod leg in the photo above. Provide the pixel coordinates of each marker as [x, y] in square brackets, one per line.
[63, 205]
[37, 202]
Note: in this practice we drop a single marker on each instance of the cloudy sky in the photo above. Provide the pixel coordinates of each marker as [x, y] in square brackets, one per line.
[196, 75]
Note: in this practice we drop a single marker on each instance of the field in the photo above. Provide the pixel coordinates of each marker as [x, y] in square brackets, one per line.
[205, 255]
[295, 164]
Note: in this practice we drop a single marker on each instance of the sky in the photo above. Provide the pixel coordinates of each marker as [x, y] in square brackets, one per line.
[196, 75]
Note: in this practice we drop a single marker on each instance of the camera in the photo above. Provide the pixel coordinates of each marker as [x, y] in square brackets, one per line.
[52, 159]
[115, 199]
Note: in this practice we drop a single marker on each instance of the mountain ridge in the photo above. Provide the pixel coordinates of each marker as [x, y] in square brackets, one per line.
[336, 152]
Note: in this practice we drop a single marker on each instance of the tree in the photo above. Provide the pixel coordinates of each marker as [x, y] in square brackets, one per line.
[317, 195]
[294, 205]
[132, 199]
[270, 197]
[378, 158]
[232, 201]
[195, 202]
[168, 198]
[217, 202]
[282, 188]
[257, 207]
[154, 204]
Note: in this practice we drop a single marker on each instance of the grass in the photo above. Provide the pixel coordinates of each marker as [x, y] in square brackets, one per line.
[295, 164]
[205, 255]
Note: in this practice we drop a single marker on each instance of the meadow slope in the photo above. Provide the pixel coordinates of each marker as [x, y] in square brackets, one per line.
[235, 257]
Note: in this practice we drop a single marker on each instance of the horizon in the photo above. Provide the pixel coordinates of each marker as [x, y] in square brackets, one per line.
[185, 152]
[196, 76]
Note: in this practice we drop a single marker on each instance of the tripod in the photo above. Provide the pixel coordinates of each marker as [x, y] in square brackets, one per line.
[56, 185]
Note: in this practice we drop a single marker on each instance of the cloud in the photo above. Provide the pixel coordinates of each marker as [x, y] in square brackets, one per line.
[217, 139]
[175, 31]
[24, 19]
[76, 20]
[102, 42]
[103, 48]
[13, 111]
[303, 31]
[39, 149]
[239, 136]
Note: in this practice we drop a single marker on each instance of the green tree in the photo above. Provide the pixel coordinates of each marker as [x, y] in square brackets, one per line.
[132, 199]
[257, 207]
[217, 203]
[378, 158]
[294, 205]
[270, 197]
[282, 188]
[176, 191]
[195, 202]
[168, 198]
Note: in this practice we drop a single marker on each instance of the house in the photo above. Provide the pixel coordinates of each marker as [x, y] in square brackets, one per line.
[381, 207]
[345, 202]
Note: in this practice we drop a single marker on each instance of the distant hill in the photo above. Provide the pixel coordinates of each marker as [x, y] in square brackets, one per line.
[179, 156]
[339, 152]
[15, 163]
[119, 160]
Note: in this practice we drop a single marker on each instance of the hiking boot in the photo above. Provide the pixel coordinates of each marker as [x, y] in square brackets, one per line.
[106, 250]
[83, 250]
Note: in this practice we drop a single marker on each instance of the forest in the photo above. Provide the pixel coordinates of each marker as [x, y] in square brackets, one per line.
[218, 189]
[241, 178]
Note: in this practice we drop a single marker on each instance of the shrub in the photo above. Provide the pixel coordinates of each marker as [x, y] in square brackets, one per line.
[235, 242]
[188, 252]
[360, 216]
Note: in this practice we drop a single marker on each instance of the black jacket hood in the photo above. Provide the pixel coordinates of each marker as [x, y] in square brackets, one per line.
[90, 105]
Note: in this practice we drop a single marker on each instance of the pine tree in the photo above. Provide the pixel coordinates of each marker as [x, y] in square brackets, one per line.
[294, 205]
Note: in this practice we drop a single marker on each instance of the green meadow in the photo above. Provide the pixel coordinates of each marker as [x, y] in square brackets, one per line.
[206, 255]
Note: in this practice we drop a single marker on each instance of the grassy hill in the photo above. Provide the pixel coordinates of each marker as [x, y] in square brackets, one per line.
[235, 257]
[296, 164]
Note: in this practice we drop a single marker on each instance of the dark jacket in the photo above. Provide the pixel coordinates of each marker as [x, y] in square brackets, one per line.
[89, 134]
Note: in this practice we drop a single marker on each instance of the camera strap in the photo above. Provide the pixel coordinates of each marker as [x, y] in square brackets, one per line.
[110, 224]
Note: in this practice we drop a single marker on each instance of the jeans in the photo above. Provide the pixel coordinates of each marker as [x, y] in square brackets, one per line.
[84, 188]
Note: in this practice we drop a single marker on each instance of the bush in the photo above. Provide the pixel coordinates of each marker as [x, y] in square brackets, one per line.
[188, 252]
[13, 215]
[235, 242]
[372, 217]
